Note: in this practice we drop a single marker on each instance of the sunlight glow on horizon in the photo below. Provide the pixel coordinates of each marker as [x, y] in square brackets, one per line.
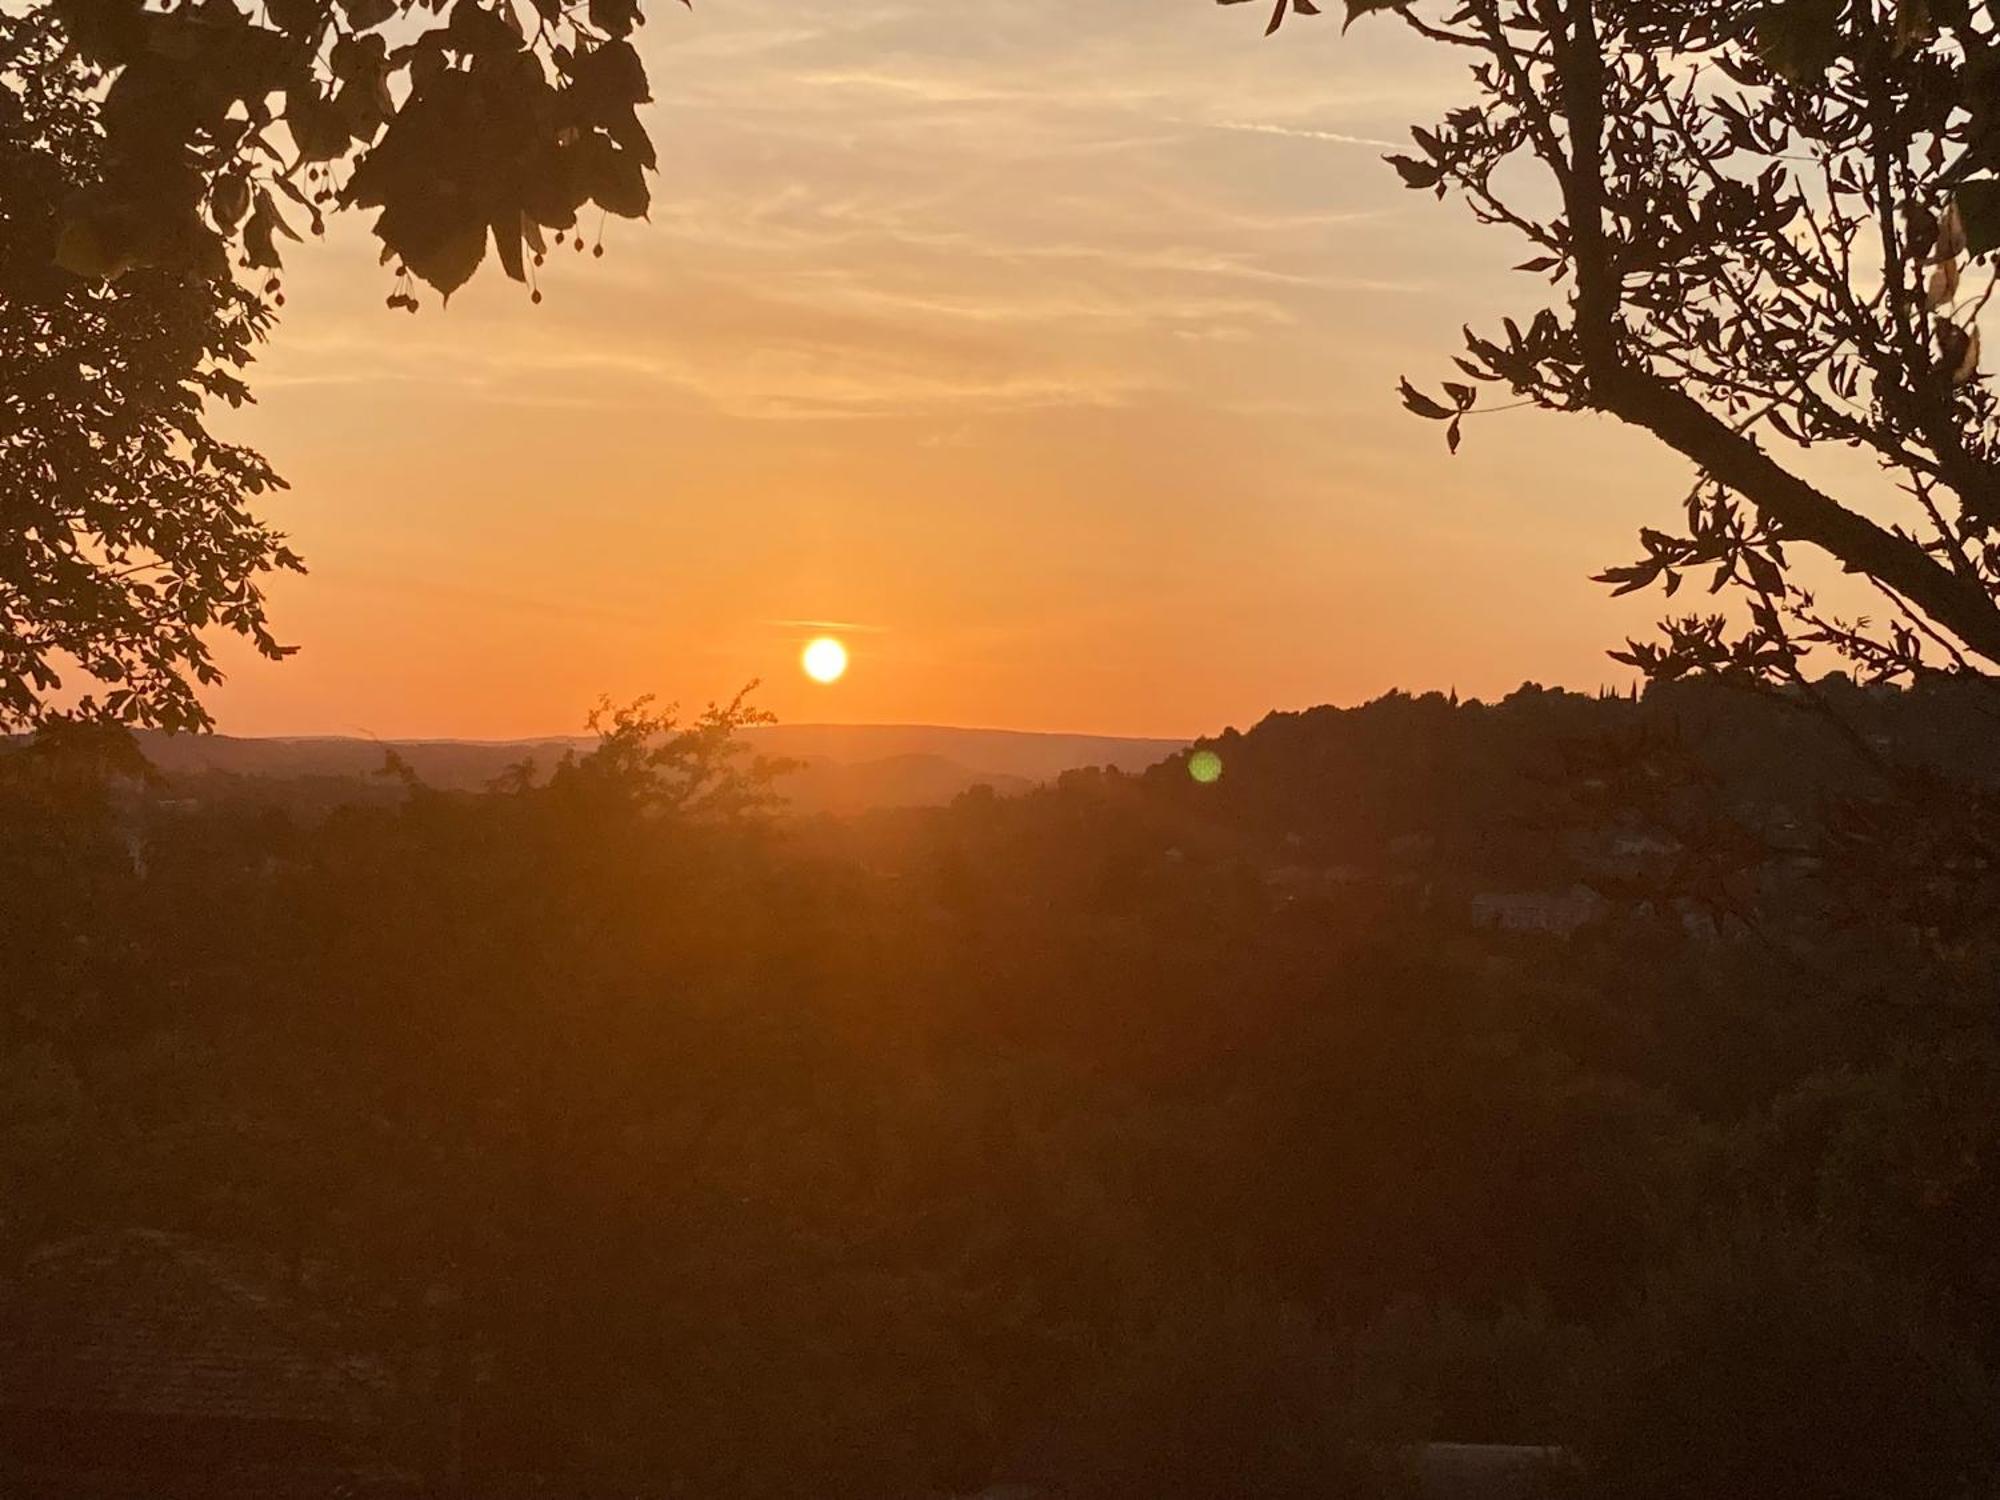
[1072, 404]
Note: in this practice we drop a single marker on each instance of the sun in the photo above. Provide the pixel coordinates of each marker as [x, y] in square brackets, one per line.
[825, 659]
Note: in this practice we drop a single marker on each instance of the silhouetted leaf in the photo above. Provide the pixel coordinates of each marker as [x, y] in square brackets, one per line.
[1356, 9]
[1423, 405]
[318, 130]
[229, 200]
[448, 261]
[507, 243]
[301, 18]
[1278, 12]
[614, 17]
[1978, 205]
[1415, 173]
[618, 183]
[366, 15]
[1942, 286]
[1764, 573]
[259, 234]
[1967, 365]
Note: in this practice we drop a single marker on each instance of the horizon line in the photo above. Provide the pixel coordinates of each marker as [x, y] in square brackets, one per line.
[366, 735]
[548, 737]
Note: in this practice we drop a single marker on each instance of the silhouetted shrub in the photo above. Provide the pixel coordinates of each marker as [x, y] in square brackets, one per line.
[1230, 1394]
[1768, 1363]
[1463, 1377]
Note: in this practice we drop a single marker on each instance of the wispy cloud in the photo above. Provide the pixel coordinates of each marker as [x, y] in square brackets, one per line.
[853, 627]
[973, 325]
[779, 380]
[1303, 133]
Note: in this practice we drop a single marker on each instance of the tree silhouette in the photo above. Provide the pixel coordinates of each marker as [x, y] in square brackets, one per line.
[140, 151]
[224, 123]
[1771, 229]
[126, 525]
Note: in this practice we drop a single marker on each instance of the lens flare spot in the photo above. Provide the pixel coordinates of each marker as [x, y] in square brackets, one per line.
[1205, 766]
[824, 660]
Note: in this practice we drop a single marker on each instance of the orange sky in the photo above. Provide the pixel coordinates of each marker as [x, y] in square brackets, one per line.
[1052, 345]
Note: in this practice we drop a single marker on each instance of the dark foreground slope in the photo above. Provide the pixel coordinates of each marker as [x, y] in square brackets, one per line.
[1130, 1136]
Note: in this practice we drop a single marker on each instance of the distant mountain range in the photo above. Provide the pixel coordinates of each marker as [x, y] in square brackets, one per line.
[842, 767]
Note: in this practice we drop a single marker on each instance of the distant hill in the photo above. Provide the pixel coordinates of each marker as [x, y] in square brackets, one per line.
[843, 767]
[992, 752]
[1500, 788]
[451, 764]
[823, 785]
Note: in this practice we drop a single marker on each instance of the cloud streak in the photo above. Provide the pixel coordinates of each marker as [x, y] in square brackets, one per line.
[1303, 133]
[1073, 328]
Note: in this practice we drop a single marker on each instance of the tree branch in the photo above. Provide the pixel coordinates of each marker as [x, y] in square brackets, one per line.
[1805, 513]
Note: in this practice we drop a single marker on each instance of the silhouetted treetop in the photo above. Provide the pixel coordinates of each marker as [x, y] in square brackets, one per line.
[649, 759]
[125, 528]
[141, 148]
[1769, 227]
[227, 127]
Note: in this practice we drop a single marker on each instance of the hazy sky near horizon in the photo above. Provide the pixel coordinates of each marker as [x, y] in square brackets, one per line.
[1048, 347]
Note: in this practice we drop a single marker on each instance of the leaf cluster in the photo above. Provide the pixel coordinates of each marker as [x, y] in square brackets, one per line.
[126, 533]
[1765, 229]
[226, 126]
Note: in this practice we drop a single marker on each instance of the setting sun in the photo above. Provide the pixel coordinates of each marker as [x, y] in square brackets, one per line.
[825, 659]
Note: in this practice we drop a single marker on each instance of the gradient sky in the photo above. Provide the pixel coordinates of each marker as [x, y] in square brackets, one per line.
[1051, 346]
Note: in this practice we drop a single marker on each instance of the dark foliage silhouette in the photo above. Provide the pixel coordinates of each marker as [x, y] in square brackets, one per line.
[1133, 1136]
[227, 125]
[1742, 1358]
[141, 151]
[1772, 230]
[128, 530]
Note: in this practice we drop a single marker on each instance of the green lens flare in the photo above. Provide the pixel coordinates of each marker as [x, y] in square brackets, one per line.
[1205, 766]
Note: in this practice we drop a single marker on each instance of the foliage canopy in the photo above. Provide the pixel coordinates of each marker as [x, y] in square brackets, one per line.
[224, 124]
[126, 523]
[1063, 1137]
[143, 148]
[1771, 229]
